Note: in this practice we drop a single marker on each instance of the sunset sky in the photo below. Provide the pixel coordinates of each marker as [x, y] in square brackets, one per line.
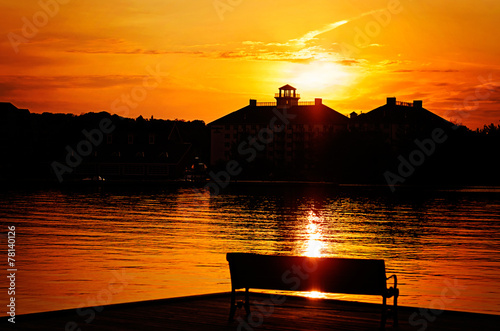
[201, 59]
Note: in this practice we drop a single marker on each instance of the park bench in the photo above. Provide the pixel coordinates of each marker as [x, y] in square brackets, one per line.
[301, 273]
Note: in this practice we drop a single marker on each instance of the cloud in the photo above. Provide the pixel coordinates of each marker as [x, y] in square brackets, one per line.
[313, 34]
[133, 51]
[440, 84]
[267, 56]
[19, 83]
[304, 55]
[426, 70]
[249, 42]
[348, 62]
[293, 50]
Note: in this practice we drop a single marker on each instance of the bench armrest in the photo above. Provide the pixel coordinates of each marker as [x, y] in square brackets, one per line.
[393, 290]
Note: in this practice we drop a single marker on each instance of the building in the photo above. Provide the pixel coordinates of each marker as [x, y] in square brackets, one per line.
[397, 119]
[278, 144]
[316, 142]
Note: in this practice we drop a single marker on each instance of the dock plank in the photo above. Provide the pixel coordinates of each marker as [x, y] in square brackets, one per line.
[210, 312]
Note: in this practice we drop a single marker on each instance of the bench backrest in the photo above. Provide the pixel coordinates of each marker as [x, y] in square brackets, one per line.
[300, 273]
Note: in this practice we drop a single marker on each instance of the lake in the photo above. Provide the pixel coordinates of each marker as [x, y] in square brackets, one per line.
[109, 244]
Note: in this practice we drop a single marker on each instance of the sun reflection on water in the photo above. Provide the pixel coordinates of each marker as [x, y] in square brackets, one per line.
[314, 236]
[315, 295]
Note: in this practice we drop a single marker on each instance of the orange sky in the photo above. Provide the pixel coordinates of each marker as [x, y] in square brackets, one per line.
[203, 59]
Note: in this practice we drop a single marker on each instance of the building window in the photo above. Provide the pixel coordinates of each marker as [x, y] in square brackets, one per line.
[109, 139]
[130, 139]
[151, 139]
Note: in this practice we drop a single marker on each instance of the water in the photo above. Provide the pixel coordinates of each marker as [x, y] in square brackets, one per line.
[101, 245]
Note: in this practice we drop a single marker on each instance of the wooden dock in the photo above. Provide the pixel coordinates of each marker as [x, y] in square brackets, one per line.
[210, 312]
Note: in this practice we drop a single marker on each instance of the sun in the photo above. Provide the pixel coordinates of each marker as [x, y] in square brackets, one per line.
[319, 76]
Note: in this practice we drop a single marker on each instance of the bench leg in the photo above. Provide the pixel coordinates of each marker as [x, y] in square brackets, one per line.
[247, 302]
[395, 310]
[384, 313]
[233, 305]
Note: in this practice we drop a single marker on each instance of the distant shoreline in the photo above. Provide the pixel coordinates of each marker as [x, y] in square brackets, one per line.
[179, 183]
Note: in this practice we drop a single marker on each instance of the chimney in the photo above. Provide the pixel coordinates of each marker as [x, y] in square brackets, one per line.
[318, 102]
[417, 103]
[253, 103]
[391, 101]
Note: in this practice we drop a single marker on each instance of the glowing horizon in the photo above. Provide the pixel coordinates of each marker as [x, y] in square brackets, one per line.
[204, 60]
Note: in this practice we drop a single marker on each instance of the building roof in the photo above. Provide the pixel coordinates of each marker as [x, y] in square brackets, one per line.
[287, 87]
[312, 114]
[403, 114]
